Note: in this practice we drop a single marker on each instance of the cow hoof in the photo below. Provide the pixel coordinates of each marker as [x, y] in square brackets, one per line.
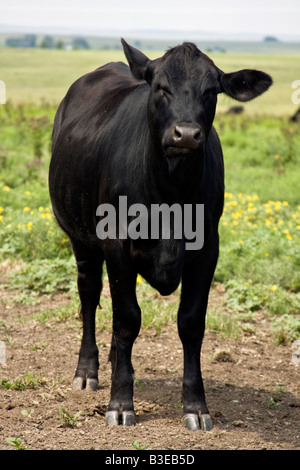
[80, 383]
[193, 422]
[206, 422]
[92, 384]
[114, 418]
[128, 418]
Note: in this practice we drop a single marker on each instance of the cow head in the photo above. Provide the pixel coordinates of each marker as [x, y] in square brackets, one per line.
[184, 85]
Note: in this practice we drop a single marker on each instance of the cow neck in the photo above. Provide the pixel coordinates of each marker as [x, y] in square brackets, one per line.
[169, 190]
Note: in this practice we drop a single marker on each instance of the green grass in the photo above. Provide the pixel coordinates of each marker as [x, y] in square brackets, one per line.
[259, 231]
[38, 75]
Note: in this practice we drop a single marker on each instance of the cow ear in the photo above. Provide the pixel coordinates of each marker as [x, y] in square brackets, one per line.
[138, 62]
[246, 84]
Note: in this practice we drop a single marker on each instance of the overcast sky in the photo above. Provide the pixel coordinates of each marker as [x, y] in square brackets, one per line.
[266, 17]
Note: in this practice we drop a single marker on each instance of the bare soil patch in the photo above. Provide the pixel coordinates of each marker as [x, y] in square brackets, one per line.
[252, 389]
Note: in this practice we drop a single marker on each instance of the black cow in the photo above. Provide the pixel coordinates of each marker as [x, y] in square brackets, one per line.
[235, 110]
[144, 132]
[296, 116]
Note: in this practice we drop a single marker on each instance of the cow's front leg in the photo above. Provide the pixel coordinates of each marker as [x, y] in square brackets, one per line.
[196, 282]
[126, 326]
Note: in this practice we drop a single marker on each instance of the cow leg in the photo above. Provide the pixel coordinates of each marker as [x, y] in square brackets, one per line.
[89, 281]
[196, 282]
[126, 326]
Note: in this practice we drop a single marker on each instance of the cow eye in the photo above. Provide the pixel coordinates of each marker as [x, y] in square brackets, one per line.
[162, 89]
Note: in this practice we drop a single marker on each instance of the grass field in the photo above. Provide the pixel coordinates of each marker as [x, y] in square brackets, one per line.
[260, 250]
[37, 75]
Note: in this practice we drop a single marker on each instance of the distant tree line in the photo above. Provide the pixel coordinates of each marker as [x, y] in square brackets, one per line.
[29, 40]
[47, 42]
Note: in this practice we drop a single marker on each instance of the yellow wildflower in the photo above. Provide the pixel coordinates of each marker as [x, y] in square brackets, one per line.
[29, 225]
[46, 215]
[277, 206]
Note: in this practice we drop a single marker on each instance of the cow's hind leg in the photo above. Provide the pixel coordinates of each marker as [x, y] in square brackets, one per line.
[126, 326]
[89, 281]
[196, 282]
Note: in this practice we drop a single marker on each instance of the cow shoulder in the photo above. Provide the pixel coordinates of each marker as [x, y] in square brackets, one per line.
[96, 93]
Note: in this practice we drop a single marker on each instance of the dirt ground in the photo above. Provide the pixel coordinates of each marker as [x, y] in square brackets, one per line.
[252, 389]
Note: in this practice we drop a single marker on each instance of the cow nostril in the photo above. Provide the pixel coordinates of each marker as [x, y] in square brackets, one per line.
[197, 136]
[177, 133]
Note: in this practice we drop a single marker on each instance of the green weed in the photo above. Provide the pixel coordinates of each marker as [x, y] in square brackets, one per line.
[275, 398]
[138, 446]
[15, 443]
[23, 382]
[68, 420]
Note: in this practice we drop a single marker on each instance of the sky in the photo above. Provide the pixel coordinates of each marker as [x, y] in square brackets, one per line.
[262, 17]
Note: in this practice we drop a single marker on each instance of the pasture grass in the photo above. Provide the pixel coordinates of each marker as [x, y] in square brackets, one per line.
[42, 76]
[259, 230]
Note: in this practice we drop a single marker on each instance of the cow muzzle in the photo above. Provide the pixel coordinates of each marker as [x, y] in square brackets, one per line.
[182, 138]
